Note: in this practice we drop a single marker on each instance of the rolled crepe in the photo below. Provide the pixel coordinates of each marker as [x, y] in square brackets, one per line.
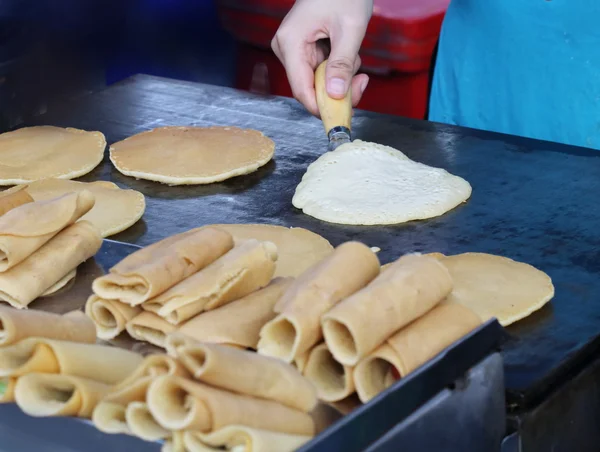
[154, 269]
[109, 417]
[142, 424]
[17, 324]
[348, 405]
[175, 443]
[63, 283]
[109, 316]
[403, 292]
[239, 322]
[411, 347]
[246, 268]
[242, 439]
[22, 284]
[14, 197]
[43, 395]
[334, 381]
[248, 373]
[149, 327]
[102, 363]
[7, 389]
[25, 229]
[297, 328]
[181, 404]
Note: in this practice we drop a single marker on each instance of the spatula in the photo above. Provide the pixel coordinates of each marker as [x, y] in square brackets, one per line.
[336, 114]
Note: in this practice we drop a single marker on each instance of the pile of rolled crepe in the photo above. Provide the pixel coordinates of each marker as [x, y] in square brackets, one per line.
[201, 397]
[42, 243]
[199, 283]
[353, 328]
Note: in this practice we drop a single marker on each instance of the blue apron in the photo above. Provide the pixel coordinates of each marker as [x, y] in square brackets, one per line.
[522, 67]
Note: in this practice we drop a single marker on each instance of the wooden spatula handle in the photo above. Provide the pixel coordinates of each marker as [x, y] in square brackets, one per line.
[334, 112]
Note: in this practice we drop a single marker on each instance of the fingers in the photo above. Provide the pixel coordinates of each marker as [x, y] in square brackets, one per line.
[343, 61]
[359, 84]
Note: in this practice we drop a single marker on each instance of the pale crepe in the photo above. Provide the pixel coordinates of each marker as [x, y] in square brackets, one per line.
[110, 317]
[149, 327]
[411, 347]
[400, 294]
[155, 268]
[334, 381]
[17, 324]
[64, 283]
[44, 395]
[240, 438]
[367, 184]
[115, 209]
[22, 284]
[239, 322]
[496, 286]
[298, 326]
[249, 373]
[180, 404]
[298, 249]
[246, 268]
[102, 363]
[27, 228]
[9, 199]
[191, 155]
[34, 153]
[142, 424]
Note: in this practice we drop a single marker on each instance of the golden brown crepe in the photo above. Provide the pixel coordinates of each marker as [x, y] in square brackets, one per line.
[244, 269]
[412, 346]
[102, 363]
[154, 269]
[239, 322]
[27, 228]
[298, 326]
[149, 327]
[248, 373]
[22, 284]
[403, 292]
[44, 395]
[17, 324]
[142, 424]
[180, 404]
[9, 199]
[333, 381]
[109, 316]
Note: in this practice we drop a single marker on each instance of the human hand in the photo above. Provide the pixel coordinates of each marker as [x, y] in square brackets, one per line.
[298, 46]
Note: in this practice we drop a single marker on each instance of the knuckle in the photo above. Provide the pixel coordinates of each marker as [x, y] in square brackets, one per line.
[342, 64]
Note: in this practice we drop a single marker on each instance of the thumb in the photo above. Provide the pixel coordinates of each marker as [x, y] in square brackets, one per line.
[342, 64]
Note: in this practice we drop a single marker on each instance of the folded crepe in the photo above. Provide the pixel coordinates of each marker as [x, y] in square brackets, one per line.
[297, 328]
[181, 404]
[64, 283]
[43, 395]
[142, 424]
[333, 381]
[239, 438]
[239, 322]
[403, 292]
[26, 228]
[248, 373]
[109, 417]
[102, 363]
[175, 443]
[14, 197]
[244, 269]
[149, 327]
[154, 269]
[348, 405]
[411, 347]
[16, 324]
[22, 284]
[7, 389]
[109, 316]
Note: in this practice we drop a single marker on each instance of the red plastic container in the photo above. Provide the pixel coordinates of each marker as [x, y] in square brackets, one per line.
[396, 51]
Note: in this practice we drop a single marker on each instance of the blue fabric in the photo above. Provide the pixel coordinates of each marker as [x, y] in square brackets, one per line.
[522, 67]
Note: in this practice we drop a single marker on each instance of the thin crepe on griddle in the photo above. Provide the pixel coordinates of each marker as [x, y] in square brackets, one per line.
[22, 284]
[27, 228]
[246, 268]
[180, 404]
[411, 347]
[154, 269]
[333, 381]
[297, 328]
[9, 199]
[403, 292]
[109, 316]
[150, 327]
[238, 322]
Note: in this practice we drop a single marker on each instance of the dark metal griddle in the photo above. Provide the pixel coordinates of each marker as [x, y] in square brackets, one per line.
[532, 201]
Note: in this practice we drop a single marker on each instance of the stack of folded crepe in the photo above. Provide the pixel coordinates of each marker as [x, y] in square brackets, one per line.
[199, 281]
[42, 243]
[51, 366]
[203, 396]
[353, 329]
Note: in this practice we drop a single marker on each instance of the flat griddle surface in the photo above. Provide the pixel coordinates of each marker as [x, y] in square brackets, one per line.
[532, 201]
